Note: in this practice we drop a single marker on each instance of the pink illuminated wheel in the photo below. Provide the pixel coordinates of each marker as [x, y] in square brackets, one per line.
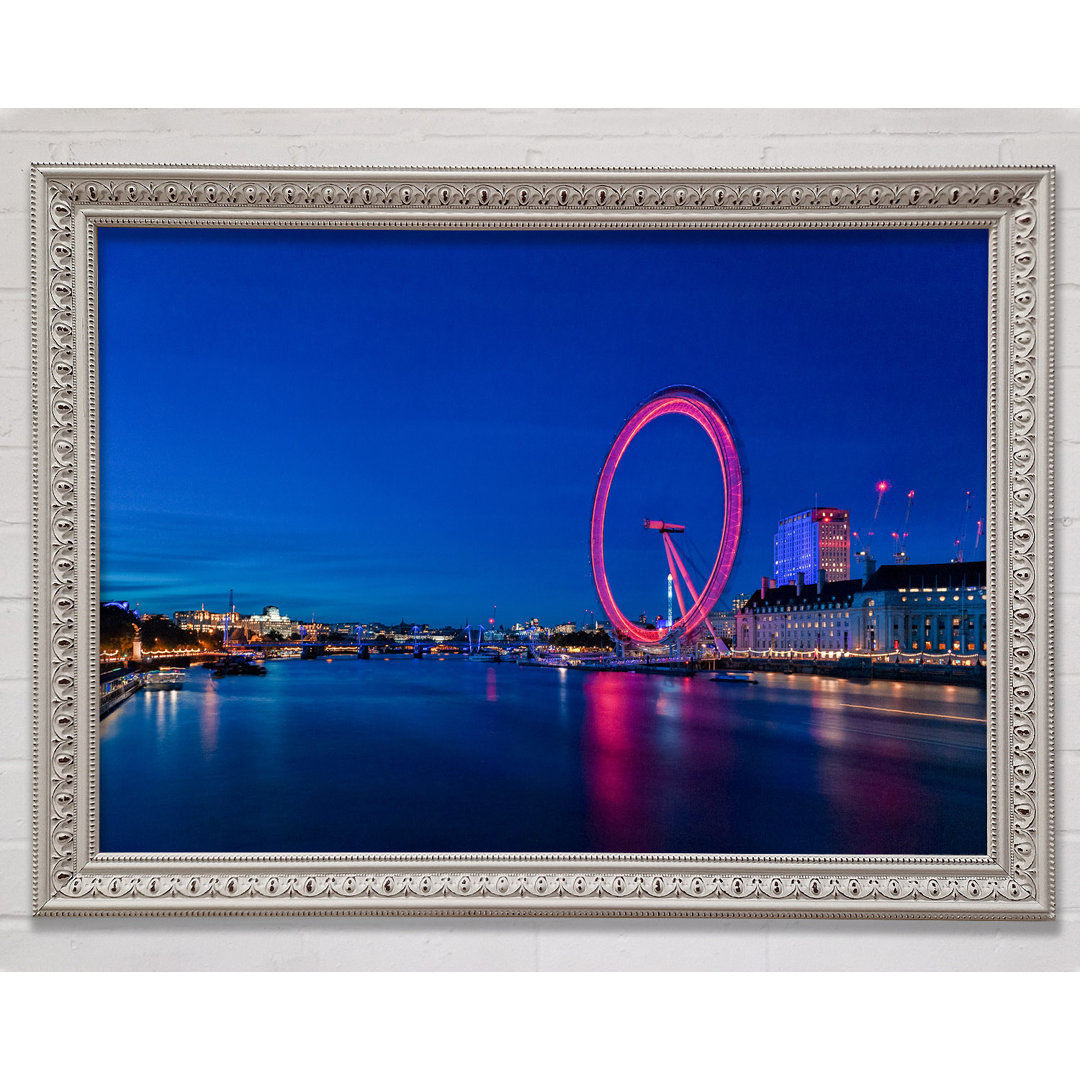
[701, 408]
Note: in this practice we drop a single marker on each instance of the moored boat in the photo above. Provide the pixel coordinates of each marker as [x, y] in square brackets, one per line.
[116, 691]
[165, 679]
[236, 665]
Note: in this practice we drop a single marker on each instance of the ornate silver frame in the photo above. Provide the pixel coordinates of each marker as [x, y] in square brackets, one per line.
[1014, 881]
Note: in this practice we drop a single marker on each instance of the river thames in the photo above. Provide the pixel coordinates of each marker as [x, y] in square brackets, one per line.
[446, 755]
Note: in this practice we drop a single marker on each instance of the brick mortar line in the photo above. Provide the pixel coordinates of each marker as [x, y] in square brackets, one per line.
[412, 118]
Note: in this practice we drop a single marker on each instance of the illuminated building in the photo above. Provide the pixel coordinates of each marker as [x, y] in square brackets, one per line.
[936, 609]
[724, 624]
[270, 621]
[813, 542]
[203, 621]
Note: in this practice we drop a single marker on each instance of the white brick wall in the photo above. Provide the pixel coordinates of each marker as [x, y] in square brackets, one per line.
[514, 138]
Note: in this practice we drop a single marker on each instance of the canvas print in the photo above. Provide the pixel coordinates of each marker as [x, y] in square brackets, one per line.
[642, 540]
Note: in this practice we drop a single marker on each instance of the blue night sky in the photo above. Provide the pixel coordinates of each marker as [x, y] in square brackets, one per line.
[375, 425]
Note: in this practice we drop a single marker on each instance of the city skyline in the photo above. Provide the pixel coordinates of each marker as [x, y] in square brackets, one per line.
[593, 619]
[364, 423]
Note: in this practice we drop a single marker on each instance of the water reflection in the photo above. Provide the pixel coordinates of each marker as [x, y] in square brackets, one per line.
[209, 717]
[616, 763]
[564, 698]
[159, 715]
[399, 756]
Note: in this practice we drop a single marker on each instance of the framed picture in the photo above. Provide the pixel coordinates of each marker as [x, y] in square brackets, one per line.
[503, 542]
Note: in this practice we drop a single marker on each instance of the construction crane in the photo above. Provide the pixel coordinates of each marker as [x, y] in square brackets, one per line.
[881, 486]
[961, 540]
[228, 618]
[901, 555]
[859, 552]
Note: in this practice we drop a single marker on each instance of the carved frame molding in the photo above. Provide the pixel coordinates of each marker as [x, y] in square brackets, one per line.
[1015, 880]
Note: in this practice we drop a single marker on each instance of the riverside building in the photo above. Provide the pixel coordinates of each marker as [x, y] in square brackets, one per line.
[725, 623]
[271, 621]
[935, 609]
[815, 543]
[203, 621]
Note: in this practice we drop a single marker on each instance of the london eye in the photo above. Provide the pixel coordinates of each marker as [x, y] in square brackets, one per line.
[698, 406]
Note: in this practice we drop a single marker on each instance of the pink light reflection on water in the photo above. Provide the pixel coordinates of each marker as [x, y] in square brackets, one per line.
[657, 761]
[616, 780]
[492, 694]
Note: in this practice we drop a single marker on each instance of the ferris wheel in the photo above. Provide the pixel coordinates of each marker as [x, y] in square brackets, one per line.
[698, 406]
